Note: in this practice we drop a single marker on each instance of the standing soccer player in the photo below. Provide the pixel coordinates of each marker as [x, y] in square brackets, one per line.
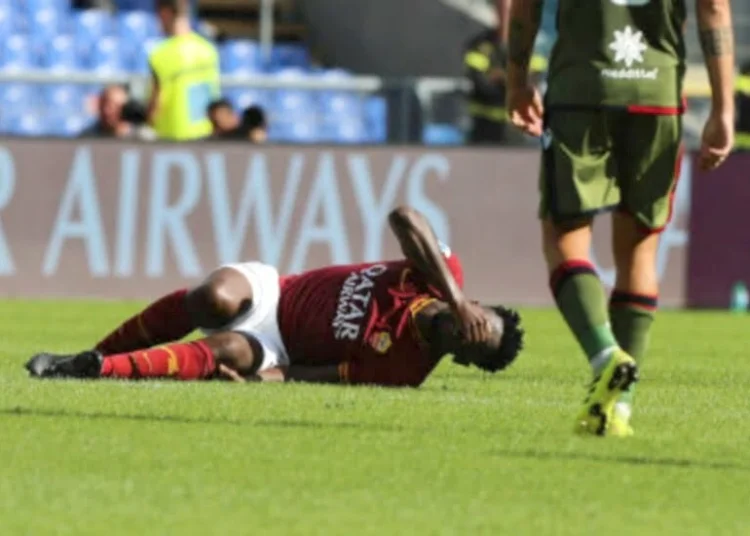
[611, 132]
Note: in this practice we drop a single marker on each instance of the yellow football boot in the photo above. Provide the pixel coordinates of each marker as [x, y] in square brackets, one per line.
[596, 415]
[620, 426]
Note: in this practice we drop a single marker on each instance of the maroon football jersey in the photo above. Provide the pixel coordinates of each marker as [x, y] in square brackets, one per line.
[360, 318]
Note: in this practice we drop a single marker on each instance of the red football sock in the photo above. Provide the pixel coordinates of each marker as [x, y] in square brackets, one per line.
[165, 320]
[183, 361]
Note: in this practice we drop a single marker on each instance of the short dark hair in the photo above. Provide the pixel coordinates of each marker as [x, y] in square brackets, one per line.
[181, 7]
[219, 103]
[511, 343]
[253, 117]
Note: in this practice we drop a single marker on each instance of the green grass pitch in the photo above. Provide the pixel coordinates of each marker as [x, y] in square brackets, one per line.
[466, 454]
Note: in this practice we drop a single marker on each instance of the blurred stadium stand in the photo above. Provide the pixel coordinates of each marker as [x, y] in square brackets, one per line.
[63, 48]
[55, 59]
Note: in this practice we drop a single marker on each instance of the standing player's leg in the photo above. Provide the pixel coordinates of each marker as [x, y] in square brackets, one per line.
[577, 182]
[224, 296]
[648, 169]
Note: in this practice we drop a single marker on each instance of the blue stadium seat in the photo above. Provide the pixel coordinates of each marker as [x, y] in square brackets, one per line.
[26, 124]
[345, 130]
[376, 119]
[138, 62]
[240, 57]
[294, 100]
[66, 125]
[243, 98]
[290, 101]
[341, 103]
[283, 56]
[303, 129]
[106, 56]
[19, 18]
[67, 98]
[91, 25]
[48, 23]
[16, 53]
[135, 5]
[34, 6]
[440, 134]
[16, 97]
[137, 26]
[61, 55]
[6, 19]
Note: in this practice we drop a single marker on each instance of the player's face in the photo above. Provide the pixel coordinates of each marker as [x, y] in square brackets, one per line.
[223, 120]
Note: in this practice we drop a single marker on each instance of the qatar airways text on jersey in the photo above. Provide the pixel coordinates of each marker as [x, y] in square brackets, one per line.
[354, 302]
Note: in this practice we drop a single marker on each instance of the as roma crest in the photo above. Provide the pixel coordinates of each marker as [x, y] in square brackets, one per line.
[381, 341]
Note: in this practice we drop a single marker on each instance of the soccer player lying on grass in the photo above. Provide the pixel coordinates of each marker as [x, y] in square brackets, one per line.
[386, 323]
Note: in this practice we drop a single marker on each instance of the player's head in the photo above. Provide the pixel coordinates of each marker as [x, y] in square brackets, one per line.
[171, 10]
[254, 124]
[502, 347]
[222, 116]
[111, 102]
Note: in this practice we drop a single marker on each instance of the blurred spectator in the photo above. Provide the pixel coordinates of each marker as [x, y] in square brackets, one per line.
[485, 60]
[118, 117]
[742, 137]
[254, 126]
[223, 119]
[185, 72]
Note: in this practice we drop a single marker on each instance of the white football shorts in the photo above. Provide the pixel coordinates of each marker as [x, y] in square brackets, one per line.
[261, 321]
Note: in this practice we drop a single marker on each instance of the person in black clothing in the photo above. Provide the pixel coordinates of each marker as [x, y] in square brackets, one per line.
[254, 126]
[485, 60]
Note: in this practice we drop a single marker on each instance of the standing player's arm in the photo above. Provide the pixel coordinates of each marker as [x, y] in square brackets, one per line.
[717, 42]
[420, 246]
[525, 18]
[503, 18]
[153, 101]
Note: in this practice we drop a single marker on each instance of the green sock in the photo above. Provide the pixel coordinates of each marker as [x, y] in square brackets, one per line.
[581, 299]
[632, 316]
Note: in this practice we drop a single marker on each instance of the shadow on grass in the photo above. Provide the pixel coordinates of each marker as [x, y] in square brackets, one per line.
[682, 463]
[288, 423]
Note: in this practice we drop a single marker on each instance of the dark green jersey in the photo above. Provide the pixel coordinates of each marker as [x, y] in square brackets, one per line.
[621, 53]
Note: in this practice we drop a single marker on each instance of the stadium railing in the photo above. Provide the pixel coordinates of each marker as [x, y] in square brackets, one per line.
[347, 109]
[302, 107]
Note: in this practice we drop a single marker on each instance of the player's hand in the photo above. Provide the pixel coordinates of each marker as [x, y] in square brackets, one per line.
[525, 109]
[472, 322]
[718, 139]
[231, 375]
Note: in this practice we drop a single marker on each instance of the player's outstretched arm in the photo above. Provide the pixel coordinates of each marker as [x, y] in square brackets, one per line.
[717, 41]
[421, 247]
[293, 373]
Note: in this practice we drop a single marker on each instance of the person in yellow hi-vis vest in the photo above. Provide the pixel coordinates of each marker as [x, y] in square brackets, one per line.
[185, 72]
[485, 59]
[742, 90]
